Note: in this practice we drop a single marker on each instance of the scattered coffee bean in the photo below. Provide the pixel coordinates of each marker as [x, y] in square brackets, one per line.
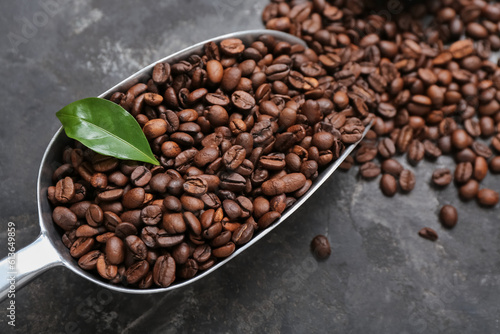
[448, 216]
[320, 246]
[442, 177]
[388, 185]
[428, 233]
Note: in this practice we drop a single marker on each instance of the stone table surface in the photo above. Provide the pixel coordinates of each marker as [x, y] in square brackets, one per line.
[381, 278]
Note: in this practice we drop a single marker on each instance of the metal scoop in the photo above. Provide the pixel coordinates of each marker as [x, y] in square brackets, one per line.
[48, 251]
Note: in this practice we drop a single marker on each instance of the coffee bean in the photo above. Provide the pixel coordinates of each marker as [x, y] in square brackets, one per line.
[442, 177]
[386, 148]
[105, 269]
[234, 157]
[64, 218]
[115, 250]
[125, 229]
[431, 150]
[365, 153]
[81, 246]
[151, 215]
[369, 170]
[391, 166]
[320, 246]
[286, 184]
[224, 251]
[267, 219]
[487, 197]
[164, 271]
[494, 165]
[174, 223]
[136, 272]
[388, 185]
[463, 172]
[89, 260]
[448, 216]
[469, 190]
[134, 198]
[195, 186]
[460, 139]
[140, 176]
[428, 233]
[65, 190]
[407, 180]
[480, 168]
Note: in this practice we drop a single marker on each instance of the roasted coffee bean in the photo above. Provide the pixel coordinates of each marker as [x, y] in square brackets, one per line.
[140, 176]
[391, 166]
[388, 185]
[404, 139]
[81, 246]
[386, 148]
[480, 168]
[64, 218]
[416, 152]
[494, 165]
[193, 223]
[213, 231]
[180, 253]
[286, 184]
[89, 260]
[195, 186]
[174, 223]
[137, 271]
[407, 180]
[442, 177]
[137, 246]
[134, 198]
[463, 172]
[369, 170]
[164, 271]
[224, 251]
[105, 269]
[188, 269]
[267, 219]
[202, 253]
[320, 246]
[487, 197]
[65, 190]
[448, 216]
[481, 150]
[243, 234]
[125, 229]
[365, 153]
[110, 195]
[151, 215]
[115, 250]
[428, 233]
[234, 157]
[460, 139]
[94, 215]
[275, 162]
[469, 190]
[431, 150]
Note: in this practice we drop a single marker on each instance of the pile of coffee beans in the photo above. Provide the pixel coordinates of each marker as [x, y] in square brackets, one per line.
[426, 70]
[241, 131]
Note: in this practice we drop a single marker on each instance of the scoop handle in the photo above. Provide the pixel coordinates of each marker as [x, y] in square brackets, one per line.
[19, 268]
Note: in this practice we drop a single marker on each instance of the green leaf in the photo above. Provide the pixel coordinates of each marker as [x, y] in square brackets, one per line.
[106, 128]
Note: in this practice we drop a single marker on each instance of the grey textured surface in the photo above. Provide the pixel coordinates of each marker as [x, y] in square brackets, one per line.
[381, 277]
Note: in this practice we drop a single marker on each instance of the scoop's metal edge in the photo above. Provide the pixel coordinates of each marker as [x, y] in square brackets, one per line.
[45, 217]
